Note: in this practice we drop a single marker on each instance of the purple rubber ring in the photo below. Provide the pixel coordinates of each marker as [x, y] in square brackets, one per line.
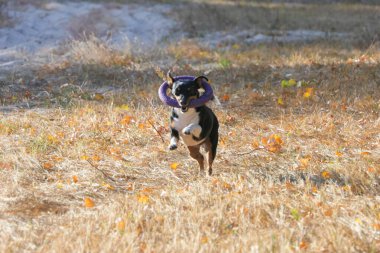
[206, 96]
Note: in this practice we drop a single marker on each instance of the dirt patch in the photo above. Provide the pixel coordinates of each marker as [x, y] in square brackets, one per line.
[31, 207]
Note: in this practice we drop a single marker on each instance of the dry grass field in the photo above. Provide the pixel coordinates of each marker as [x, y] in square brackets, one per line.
[86, 167]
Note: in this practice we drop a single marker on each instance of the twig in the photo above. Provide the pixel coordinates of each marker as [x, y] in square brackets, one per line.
[162, 138]
[104, 174]
[251, 151]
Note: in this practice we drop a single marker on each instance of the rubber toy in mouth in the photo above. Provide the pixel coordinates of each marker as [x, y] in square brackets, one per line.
[203, 99]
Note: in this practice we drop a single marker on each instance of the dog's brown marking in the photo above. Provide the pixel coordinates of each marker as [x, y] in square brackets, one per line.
[210, 157]
[196, 154]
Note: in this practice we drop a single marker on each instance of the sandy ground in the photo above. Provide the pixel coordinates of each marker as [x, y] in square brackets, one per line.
[38, 30]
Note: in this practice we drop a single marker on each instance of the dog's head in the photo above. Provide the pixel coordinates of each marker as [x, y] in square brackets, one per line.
[185, 91]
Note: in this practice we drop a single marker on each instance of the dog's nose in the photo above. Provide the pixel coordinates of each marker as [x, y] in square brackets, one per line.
[183, 103]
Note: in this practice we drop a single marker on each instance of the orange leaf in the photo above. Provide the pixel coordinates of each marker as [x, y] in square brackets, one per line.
[5, 165]
[75, 179]
[227, 186]
[121, 226]
[277, 139]
[273, 143]
[89, 203]
[325, 174]
[96, 158]
[225, 98]
[303, 245]
[339, 154]
[204, 239]
[371, 169]
[308, 92]
[52, 139]
[328, 212]
[126, 120]
[304, 162]
[174, 166]
[48, 166]
[144, 199]
[255, 144]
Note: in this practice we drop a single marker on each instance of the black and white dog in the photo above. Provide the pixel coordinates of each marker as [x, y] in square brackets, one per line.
[196, 126]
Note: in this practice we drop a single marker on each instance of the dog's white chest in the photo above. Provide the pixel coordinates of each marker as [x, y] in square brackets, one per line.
[191, 117]
[185, 119]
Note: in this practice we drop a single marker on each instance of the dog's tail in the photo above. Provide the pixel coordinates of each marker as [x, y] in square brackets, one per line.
[216, 100]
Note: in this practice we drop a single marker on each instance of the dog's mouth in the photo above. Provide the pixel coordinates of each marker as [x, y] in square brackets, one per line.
[184, 108]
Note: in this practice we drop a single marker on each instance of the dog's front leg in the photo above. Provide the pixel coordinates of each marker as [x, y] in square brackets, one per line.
[193, 129]
[174, 137]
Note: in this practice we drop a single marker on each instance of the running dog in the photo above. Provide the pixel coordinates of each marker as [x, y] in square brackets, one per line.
[196, 126]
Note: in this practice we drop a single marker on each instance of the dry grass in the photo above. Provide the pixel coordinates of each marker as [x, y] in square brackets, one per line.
[86, 169]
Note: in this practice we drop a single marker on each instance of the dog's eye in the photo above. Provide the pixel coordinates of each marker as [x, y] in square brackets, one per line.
[177, 93]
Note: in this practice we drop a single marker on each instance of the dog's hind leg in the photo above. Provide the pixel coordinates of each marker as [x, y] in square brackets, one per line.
[211, 145]
[196, 154]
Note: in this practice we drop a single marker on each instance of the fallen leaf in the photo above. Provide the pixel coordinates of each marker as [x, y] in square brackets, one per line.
[84, 157]
[95, 158]
[304, 162]
[328, 212]
[227, 186]
[365, 153]
[143, 199]
[98, 97]
[124, 107]
[126, 120]
[326, 174]
[5, 165]
[89, 203]
[225, 98]
[273, 143]
[303, 245]
[121, 226]
[174, 166]
[204, 239]
[280, 101]
[47, 166]
[292, 82]
[308, 92]
[52, 139]
[371, 170]
[255, 144]
[75, 179]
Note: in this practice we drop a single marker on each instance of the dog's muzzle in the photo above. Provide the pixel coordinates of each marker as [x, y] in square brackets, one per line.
[184, 108]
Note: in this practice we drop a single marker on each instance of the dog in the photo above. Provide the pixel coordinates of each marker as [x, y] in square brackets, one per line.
[196, 126]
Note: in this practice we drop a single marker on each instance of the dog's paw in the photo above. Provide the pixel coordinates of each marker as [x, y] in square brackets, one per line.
[186, 131]
[173, 147]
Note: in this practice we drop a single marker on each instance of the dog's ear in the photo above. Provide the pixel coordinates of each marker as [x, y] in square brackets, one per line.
[199, 80]
[170, 79]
